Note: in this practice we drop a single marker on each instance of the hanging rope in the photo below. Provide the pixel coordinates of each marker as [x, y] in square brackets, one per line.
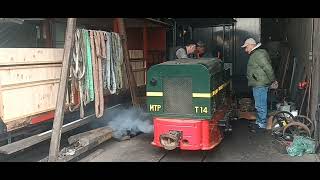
[77, 68]
[89, 75]
[118, 60]
[113, 75]
[97, 59]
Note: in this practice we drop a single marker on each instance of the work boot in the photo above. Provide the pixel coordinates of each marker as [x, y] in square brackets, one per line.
[256, 129]
[252, 124]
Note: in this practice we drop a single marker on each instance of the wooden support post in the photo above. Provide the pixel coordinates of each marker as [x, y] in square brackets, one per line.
[131, 80]
[315, 77]
[59, 111]
[145, 50]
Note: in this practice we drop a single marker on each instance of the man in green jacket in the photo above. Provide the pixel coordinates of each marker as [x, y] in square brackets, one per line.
[260, 76]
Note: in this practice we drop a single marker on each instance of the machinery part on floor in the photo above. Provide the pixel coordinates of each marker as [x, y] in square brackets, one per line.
[295, 129]
[280, 144]
[245, 105]
[279, 121]
[225, 123]
[170, 140]
[306, 121]
[285, 106]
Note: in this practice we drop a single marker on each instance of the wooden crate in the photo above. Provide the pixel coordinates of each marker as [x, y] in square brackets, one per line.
[29, 81]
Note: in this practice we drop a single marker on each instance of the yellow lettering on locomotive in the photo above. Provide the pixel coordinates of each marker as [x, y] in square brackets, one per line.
[155, 107]
[196, 107]
[205, 110]
[201, 110]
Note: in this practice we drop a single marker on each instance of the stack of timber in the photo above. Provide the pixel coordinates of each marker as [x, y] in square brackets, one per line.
[29, 81]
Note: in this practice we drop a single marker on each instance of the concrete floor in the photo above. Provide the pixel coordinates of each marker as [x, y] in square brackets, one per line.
[241, 146]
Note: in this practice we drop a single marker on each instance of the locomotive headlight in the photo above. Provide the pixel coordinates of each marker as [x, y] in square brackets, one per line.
[153, 82]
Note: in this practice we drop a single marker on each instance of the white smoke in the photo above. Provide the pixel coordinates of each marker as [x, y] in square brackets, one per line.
[130, 122]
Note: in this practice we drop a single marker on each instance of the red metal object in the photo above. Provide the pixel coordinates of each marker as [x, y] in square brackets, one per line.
[196, 134]
[42, 118]
[303, 85]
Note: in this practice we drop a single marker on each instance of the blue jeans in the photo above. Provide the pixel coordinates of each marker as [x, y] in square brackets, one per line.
[260, 94]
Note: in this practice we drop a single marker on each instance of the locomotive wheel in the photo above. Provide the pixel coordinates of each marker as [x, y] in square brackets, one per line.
[306, 121]
[280, 120]
[296, 129]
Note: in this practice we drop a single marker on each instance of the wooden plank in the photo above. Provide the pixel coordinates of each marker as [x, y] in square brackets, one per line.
[33, 140]
[138, 70]
[139, 76]
[21, 102]
[136, 54]
[23, 74]
[96, 137]
[29, 84]
[30, 141]
[88, 137]
[20, 56]
[59, 112]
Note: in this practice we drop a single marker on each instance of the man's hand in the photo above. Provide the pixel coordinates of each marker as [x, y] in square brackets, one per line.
[274, 85]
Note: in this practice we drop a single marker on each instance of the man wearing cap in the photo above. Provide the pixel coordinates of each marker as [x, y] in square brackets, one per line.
[187, 51]
[260, 76]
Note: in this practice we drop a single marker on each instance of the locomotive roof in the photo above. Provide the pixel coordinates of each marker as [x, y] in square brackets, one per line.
[205, 61]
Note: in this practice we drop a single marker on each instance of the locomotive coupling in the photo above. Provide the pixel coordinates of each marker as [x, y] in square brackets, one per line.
[170, 140]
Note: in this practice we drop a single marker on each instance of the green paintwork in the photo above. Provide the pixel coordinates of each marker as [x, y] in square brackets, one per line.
[206, 76]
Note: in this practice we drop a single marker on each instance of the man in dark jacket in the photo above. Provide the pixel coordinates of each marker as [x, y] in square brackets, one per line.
[202, 51]
[260, 76]
[186, 51]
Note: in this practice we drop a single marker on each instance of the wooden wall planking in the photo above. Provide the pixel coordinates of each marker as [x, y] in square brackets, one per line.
[29, 81]
[137, 65]
[19, 56]
[27, 101]
[23, 74]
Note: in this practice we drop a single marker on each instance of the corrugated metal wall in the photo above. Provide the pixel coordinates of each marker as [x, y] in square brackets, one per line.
[299, 37]
[245, 28]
